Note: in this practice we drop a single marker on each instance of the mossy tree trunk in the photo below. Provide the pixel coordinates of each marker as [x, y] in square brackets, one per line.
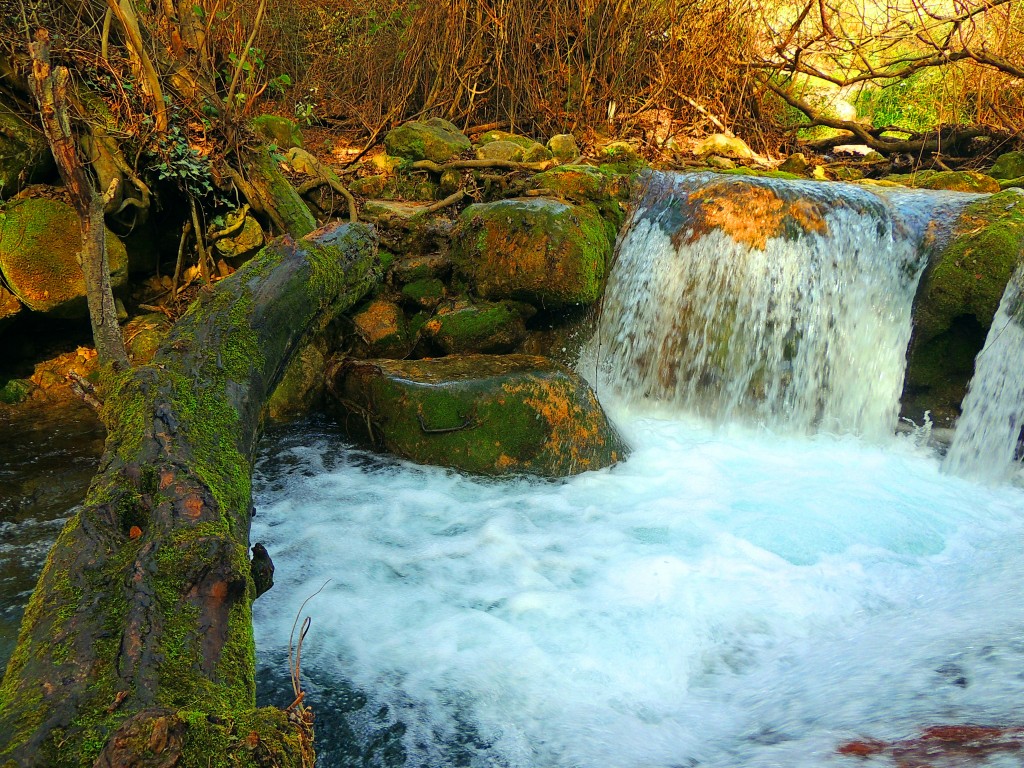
[136, 648]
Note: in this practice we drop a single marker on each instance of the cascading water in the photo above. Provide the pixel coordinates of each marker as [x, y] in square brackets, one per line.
[736, 598]
[786, 304]
[988, 433]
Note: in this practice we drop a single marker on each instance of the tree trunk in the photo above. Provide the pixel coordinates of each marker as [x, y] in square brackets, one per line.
[136, 648]
[50, 90]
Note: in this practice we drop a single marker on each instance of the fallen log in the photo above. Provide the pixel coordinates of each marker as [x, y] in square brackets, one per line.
[136, 648]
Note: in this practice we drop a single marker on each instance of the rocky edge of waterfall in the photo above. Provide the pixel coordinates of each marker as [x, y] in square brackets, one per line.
[495, 249]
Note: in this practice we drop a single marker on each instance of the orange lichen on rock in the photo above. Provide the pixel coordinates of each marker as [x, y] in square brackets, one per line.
[941, 746]
[751, 214]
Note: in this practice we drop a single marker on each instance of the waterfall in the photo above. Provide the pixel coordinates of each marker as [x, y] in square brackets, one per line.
[784, 303]
[987, 434]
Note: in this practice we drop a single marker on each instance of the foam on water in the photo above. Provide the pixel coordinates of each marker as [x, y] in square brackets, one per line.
[721, 598]
[987, 435]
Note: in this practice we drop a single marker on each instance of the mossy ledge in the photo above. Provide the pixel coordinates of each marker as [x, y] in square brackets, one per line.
[136, 647]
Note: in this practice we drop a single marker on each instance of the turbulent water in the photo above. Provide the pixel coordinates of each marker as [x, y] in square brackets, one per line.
[806, 329]
[723, 598]
[987, 435]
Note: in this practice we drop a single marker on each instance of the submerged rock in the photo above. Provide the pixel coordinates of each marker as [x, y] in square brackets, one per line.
[40, 240]
[436, 140]
[492, 415]
[542, 251]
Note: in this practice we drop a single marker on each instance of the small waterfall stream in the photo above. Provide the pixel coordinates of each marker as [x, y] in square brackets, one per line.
[988, 434]
[785, 304]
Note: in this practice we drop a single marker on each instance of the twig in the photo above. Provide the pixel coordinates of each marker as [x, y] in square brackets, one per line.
[512, 165]
[85, 390]
[295, 652]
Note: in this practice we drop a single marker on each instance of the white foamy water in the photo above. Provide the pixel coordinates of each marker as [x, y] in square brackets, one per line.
[722, 599]
[805, 331]
[985, 444]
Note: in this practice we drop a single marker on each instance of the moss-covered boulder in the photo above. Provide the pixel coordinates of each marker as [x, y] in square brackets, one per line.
[466, 327]
[40, 240]
[302, 385]
[956, 181]
[436, 140]
[492, 415]
[724, 146]
[426, 293]
[542, 251]
[603, 187]
[9, 306]
[245, 238]
[957, 298]
[1009, 165]
[563, 147]
[381, 330]
[279, 130]
[533, 151]
[24, 152]
[501, 150]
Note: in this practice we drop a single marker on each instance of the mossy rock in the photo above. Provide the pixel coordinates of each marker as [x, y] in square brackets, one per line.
[956, 181]
[14, 391]
[302, 385]
[281, 131]
[24, 153]
[491, 415]
[796, 163]
[606, 189]
[723, 146]
[957, 299]
[1012, 183]
[756, 172]
[436, 140]
[467, 327]
[513, 138]
[40, 240]
[381, 330]
[426, 293]
[501, 150]
[1009, 165]
[420, 266]
[369, 186]
[563, 146]
[243, 243]
[542, 251]
[9, 306]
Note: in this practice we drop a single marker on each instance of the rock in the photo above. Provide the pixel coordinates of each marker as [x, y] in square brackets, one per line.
[24, 153]
[724, 146]
[279, 130]
[795, 163]
[393, 209]
[436, 140]
[956, 300]
[9, 306]
[522, 141]
[563, 147]
[539, 250]
[243, 243]
[302, 385]
[426, 293]
[500, 150]
[492, 415]
[14, 391]
[449, 182]
[603, 187]
[482, 327]
[387, 165]
[382, 330]
[721, 163]
[1009, 165]
[1012, 183]
[621, 155]
[143, 335]
[957, 181]
[40, 240]
[420, 266]
[369, 186]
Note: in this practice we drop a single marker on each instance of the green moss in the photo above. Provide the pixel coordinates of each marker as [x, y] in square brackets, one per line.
[425, 293]
[743, 171]
[15, 391]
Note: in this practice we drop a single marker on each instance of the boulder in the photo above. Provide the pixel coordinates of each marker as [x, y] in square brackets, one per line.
[302, 385]
[603, 187]
[501, 150]
[542, 251]
[1009, 165]
[245, 239]
[492, 415]
[381, 330]
[487, 327]
[795, 163]
[9, 306]
[957, 181]
[40, 240]
[436, 140]
[723, 146]
[956, 300]
[426, 293]
[279, 130]
[24, 152]
[563, 147]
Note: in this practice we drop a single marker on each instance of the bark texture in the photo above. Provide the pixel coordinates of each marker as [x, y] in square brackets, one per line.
[136, 648]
